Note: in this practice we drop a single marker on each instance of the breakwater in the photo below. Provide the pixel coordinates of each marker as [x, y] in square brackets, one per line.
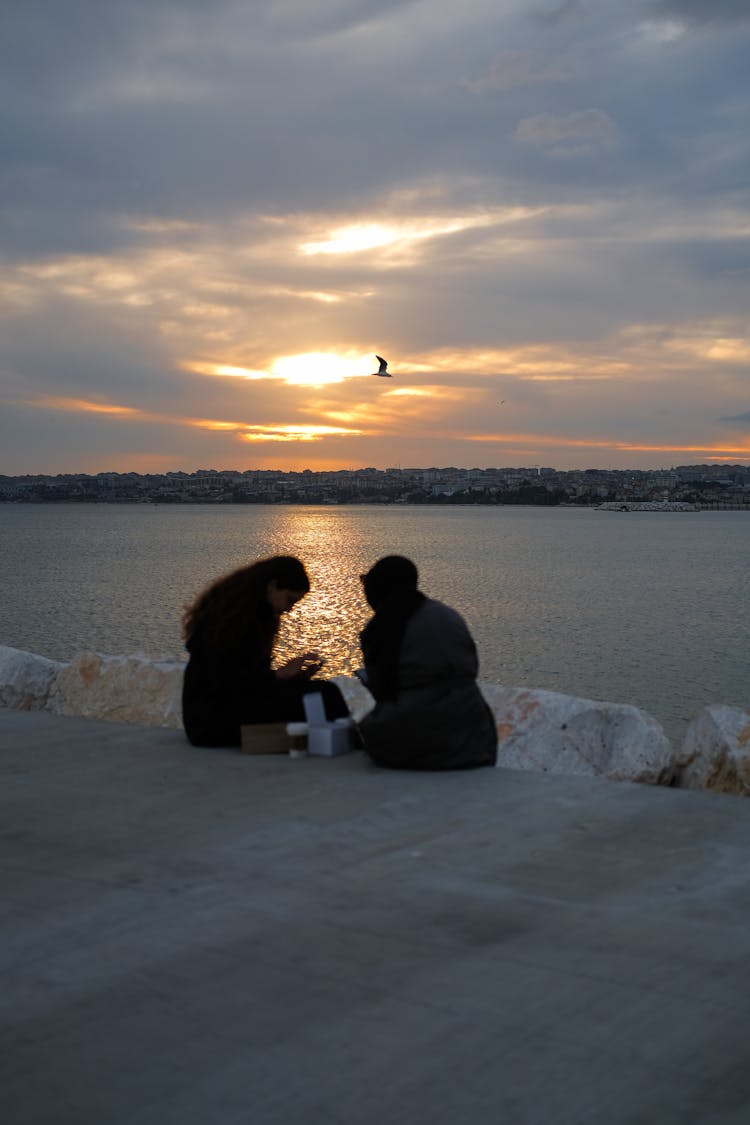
[543, 731]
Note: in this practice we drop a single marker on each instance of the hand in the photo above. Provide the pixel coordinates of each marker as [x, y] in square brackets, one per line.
[303, 666]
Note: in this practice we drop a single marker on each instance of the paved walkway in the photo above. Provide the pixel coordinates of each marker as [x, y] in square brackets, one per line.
[197, 937]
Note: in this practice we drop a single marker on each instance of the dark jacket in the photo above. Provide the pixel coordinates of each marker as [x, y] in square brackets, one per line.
[438, 719]
[223, 691]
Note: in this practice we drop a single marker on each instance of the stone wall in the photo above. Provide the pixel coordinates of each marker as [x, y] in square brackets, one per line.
[537, 730]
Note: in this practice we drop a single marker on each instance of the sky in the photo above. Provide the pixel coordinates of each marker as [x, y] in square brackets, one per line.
[214, 216]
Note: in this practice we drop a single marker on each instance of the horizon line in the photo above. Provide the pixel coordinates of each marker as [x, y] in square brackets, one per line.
[392, 469]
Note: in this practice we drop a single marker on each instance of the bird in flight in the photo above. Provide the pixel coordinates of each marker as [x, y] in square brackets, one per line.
[382, 370]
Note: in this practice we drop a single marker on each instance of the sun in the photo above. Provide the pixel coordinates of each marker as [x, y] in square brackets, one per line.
[310, 369]
[353, 239]
[316, 369]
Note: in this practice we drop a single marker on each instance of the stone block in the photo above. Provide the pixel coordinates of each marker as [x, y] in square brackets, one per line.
[553, 733]
[126, 689]
[26, 679]
[716, 751]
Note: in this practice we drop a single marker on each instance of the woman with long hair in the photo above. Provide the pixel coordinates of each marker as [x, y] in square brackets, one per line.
[421, 665]
[229, 633]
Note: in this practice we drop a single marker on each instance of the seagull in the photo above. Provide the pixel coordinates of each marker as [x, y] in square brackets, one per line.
[382, 369]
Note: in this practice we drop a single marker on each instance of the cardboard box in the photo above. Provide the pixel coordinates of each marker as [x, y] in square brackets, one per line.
[265, 738]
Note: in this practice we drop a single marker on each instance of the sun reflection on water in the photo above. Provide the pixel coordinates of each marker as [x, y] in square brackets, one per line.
[332, 615]
[535, 586]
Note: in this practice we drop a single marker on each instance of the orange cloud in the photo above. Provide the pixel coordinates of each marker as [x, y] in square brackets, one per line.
[212, 424]
[295, 433]
[390, 410]
[204, 367]
[553, 441]
[311, 369]
[80, 405]
[365, 235]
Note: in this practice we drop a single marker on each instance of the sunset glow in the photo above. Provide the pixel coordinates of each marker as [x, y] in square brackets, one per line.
[364, 236]
[210, 424]
[551, 256]
[294, 433]
[226, 369]
[539, 441]
[78, 405]
[316, 369]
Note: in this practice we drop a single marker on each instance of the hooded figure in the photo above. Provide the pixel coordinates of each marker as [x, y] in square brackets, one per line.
[421, 666]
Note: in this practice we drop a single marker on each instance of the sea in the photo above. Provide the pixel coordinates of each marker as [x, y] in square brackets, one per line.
[648, 608]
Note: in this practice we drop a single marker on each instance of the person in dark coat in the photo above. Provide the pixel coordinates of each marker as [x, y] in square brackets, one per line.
[421, 665]
[229, 632]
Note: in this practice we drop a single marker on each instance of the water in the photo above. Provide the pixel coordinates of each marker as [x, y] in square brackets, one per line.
[639, 608]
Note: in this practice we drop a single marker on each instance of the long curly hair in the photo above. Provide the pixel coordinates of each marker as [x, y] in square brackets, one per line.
[234, 610]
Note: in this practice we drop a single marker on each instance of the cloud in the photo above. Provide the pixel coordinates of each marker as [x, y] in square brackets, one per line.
[513, 69]
[583, 130]
[560, 12]
[704, 12]
[212, 217]
[291, 432]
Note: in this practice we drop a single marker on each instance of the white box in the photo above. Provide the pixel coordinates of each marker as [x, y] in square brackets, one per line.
[325, 739]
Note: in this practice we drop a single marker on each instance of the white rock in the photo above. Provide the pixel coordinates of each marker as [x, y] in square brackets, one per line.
[127, 689]
[26, 679]
[716, 751]
[553, 733]
[537, 730]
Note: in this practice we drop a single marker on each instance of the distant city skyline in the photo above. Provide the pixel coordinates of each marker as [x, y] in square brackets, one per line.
[690, 486]
[177, 470]
[214, 217]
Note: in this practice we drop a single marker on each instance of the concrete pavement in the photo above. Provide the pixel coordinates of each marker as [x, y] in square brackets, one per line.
[194, 936]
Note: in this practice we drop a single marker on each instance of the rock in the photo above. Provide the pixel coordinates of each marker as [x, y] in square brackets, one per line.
[26, 679]
[716, 751]
[126, 689]
[553, 733]
[537, 730]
